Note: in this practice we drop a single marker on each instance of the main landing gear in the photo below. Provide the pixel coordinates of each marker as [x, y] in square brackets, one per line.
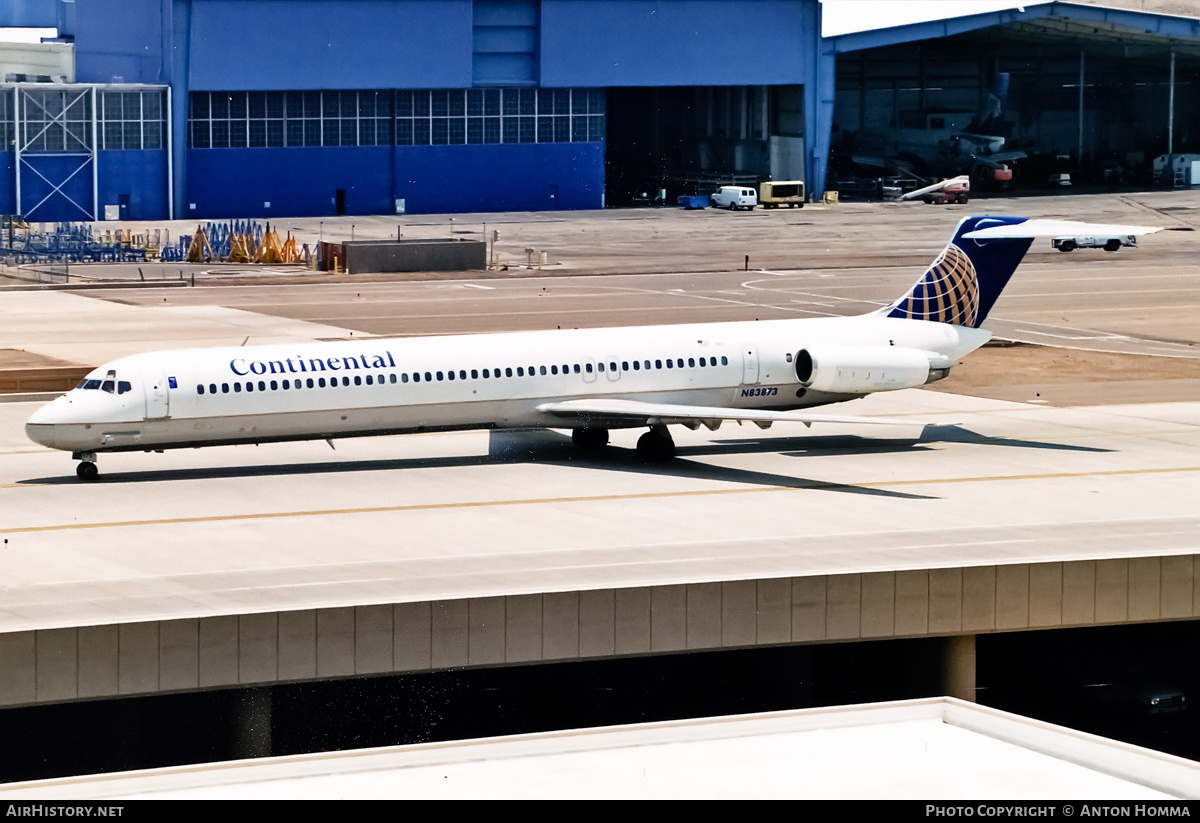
[655, 446]
[86, 470]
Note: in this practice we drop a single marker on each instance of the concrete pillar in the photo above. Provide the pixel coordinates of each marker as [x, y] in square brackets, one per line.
[958, 667]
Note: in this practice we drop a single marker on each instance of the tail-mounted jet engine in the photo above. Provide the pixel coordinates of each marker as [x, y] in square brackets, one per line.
[863, 369]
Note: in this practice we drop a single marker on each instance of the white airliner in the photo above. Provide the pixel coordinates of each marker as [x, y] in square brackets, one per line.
[588, 380]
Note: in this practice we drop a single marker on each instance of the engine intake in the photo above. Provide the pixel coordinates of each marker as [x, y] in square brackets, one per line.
[859, 369]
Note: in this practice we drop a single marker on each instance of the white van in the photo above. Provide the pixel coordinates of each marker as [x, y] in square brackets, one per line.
[734, 197]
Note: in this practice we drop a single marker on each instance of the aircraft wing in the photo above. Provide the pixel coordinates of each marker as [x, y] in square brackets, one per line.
[635, 412]
[1056, 228]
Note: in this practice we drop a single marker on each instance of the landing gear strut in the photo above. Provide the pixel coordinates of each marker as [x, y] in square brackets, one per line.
[656, 445]
[590, 439]
[86, 470]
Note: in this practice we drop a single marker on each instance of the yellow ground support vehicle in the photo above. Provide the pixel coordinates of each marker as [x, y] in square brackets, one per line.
[775, 193]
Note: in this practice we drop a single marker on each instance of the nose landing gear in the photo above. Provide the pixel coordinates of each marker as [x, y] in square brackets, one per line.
[86, 470]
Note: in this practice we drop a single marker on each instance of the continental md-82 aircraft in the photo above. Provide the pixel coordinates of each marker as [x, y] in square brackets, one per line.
[587, 380]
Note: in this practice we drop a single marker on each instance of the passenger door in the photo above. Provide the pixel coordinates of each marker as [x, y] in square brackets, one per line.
[158, 399]
[749, 364]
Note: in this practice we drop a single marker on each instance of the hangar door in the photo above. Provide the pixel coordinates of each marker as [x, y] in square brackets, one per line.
[56, 158]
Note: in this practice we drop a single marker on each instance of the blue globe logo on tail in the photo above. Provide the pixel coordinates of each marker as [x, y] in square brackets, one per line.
[964, 281]
[948, 293]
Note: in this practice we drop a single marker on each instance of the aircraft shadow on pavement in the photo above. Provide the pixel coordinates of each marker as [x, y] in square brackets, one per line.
[553, 447]
[957, 434]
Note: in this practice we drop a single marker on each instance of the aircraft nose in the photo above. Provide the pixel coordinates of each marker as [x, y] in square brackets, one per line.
[41, 424]
[47, 414]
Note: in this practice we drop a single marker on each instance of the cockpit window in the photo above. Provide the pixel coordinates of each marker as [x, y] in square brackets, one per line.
[88, 384]
[108, 386]
[123, 386]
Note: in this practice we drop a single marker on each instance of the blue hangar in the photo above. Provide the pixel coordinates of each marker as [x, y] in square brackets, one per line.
[257, 108]
[254, 108]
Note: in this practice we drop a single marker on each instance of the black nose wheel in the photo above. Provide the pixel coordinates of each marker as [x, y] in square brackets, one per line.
[87, 472]
[656, 445]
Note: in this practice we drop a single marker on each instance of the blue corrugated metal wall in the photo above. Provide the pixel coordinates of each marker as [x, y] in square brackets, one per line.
[675, 42]
[430, 179]
[120, 38]
[29, 13]
[141, 174]
[328, 44]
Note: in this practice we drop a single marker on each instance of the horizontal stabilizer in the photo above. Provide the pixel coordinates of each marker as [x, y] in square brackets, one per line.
[1056, 228]
[603, 410]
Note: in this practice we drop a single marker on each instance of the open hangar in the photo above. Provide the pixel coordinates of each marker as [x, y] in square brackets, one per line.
[223, 669]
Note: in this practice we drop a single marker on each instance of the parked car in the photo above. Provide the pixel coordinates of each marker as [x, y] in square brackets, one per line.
[1106, 242]
[734, 197]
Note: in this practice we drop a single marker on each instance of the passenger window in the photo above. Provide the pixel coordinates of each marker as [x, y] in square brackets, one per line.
[474, 374]
[636, 365]
[599, 367]
[670, 364]
[249, 387]
[393, 377]
[309, 382]
[369, 380]
[450, 374]
[486, 374]
[692, 362]
[588, 368]
[200, 390]
[554, 369]
[212, 388]
[577, 368]
[237, 387]
[541, 369]
[357, 380]
[345, 381]
[508, 372]
[429, 377]
[520, 371]
[262, 385]
[320, 382]
[224, 388]
[658, 364]
[462, 374]
[404, 377]
[724, 360]
[624, 365]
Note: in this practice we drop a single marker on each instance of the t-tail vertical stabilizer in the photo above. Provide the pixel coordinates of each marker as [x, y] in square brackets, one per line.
[963, 283]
